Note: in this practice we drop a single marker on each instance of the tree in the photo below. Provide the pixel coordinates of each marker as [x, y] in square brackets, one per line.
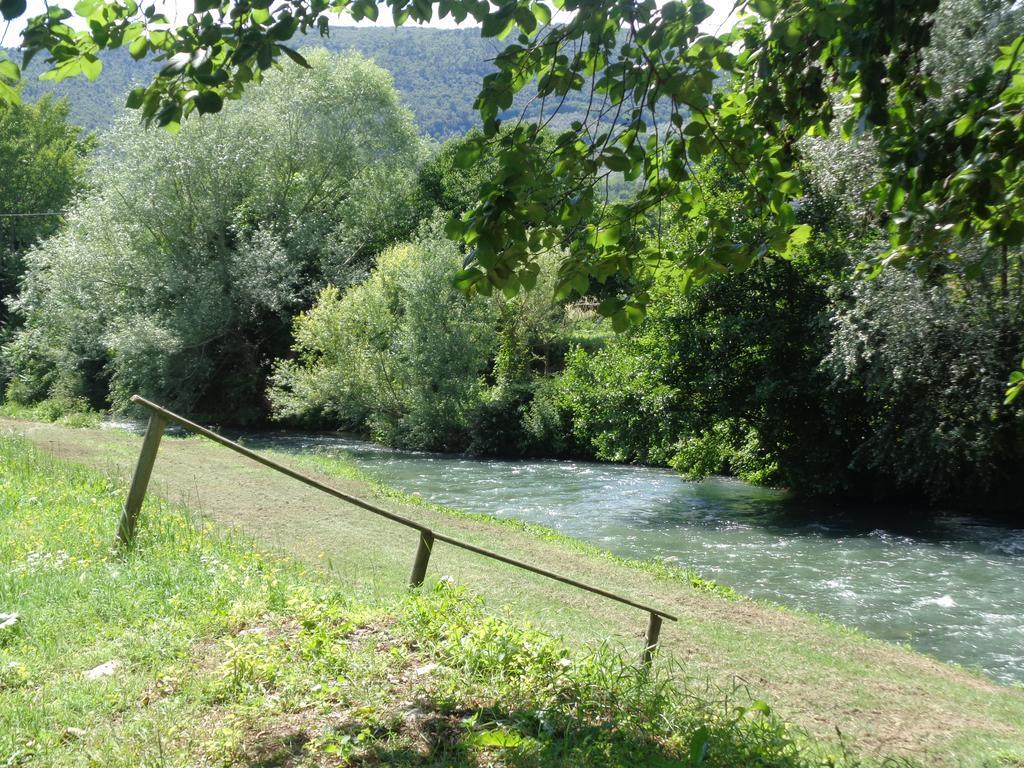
[723, 378]
[43, 161]
[179, 272]
[796, 373]
[927, 359]
[950, 166]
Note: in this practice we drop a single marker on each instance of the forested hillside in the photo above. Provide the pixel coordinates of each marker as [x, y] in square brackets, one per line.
[437, 72]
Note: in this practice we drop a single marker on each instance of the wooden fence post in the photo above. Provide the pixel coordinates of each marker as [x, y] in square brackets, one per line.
[419, 568]
[653, 632]
[140, 480]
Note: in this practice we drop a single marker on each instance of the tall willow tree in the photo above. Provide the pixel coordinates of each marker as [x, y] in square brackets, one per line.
[178, 275]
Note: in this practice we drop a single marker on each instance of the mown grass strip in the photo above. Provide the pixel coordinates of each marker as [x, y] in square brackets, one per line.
[197, 648]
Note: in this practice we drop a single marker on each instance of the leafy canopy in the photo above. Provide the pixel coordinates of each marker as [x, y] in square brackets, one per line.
[952, 167]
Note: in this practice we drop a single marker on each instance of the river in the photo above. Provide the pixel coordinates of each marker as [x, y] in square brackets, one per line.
[952, 587]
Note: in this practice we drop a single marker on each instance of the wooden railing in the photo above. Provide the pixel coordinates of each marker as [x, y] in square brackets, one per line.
[159, 419]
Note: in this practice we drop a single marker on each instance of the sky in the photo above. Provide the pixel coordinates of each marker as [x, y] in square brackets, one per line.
[179, 9]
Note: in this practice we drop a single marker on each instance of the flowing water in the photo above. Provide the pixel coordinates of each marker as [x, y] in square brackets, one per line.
[952, 587]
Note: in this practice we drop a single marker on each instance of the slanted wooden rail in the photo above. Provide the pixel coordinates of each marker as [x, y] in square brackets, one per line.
[158, 421]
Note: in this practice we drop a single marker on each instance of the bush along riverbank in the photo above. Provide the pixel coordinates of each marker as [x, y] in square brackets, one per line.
[197, 648]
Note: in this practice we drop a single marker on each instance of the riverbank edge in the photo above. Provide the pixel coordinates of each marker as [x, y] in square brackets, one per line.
[346, 468]
[340, 463]
[78, 414]
[263, 661]
[955, 677]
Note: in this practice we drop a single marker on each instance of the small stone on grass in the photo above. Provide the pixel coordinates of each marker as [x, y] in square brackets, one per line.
[103, 670]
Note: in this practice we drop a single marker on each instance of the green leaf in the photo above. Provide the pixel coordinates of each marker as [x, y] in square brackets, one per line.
[760, 707]
[9, 71]
[468, 154]
[580, 283]
[963, 125]
[525, 20]
[467, 278]
[371, 11]
[454, 228]
[265, 56]
[609, 307]
[798, 236]
[788, 183]
[295, 56]
[86, 8]
[609, 234]
[135, 98]
[91, 67]
[63, 70]
[9, 95]
[899, 196]
[138, 48]
[636, 312]
[497, 24]
[701, 11]
[541, 12]
[495, 738]
[176, 63]
[617, 162]
[12, 9]
[209, 102]
[699, 745]
[563, 289]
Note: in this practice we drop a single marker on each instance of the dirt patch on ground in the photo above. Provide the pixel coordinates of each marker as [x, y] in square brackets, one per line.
[882, 698]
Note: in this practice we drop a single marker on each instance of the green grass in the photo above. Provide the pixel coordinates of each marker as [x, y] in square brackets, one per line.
[227, 655]
[841, 686]
[71, 412]
[337, 464]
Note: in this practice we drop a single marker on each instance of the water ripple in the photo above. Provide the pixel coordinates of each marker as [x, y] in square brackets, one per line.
[951, 587]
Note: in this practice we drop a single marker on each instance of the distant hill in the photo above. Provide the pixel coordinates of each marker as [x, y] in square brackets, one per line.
[437, 71]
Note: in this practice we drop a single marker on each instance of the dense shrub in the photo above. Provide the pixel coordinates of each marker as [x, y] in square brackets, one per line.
[721, 379]
[930, 361]
[801, 373]
[407, 358]
[402, 353]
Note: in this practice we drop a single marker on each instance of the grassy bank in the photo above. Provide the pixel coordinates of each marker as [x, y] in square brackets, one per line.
[69, 412]
[337, 465]
[882, 699]
[198, 648]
